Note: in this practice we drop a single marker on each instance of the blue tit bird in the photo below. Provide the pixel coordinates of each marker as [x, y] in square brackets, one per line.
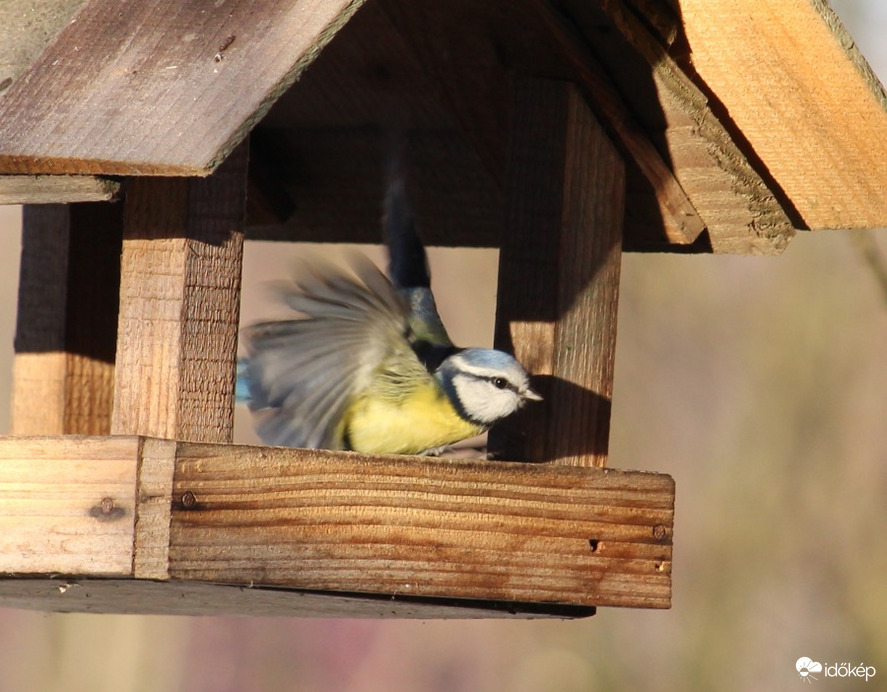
[369, 366]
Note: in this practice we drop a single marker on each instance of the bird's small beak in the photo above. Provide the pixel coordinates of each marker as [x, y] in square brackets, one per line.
[531, 395]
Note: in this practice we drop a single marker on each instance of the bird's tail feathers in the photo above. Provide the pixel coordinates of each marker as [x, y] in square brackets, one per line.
[408, 264]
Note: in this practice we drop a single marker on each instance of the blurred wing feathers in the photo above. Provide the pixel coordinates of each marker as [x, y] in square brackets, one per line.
[303, 373]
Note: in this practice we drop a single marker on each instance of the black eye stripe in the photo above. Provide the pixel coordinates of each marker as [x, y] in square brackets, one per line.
[497, 381]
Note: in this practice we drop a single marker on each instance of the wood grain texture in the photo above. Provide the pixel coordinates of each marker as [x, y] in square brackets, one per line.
[791, 80]
[156, 466]
[53, 189]
[154, 94]
[416, 527]
[63, 373]
[758, 117]
[559, 275]
[179, 305]
[67, 505]
[79, 595]
[61, 393]
[525, 538]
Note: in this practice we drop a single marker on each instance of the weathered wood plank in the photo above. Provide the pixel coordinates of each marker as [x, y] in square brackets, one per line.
[156, 94]
[52, 189]
[67, 505]
[67, 595]
[507, 535]
[63, 373]
[734, 181]
[416, 527]
[559, 274]
[791, 79]
[179, 305]
[156, 467]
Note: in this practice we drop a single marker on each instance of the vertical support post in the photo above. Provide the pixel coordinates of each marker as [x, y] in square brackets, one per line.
[179, 305]
[63, 374]
[559, 274]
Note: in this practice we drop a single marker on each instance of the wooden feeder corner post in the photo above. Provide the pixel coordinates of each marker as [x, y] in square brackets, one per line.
[120, 490]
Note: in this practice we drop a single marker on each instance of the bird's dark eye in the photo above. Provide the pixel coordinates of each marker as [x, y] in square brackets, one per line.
[500, 382]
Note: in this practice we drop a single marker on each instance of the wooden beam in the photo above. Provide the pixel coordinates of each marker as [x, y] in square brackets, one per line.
[179, 305]
[407, 526]
[559, 274]
[67, 505]
[56, 189]
[526, 538]
[63, 372]
[105, 595]
[173, 100]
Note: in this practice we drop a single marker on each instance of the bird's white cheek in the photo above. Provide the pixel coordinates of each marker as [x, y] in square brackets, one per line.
[484, 402]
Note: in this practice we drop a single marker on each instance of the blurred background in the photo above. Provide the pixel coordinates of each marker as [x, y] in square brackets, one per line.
[760, 384]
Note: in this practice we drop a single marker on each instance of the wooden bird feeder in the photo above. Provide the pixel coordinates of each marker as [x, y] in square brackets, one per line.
[147, 139]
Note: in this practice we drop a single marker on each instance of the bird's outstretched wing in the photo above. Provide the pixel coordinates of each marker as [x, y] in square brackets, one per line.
[303, 373]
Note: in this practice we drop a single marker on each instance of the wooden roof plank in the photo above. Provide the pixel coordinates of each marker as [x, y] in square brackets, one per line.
[193, 78]
[791, 80]
[132, 89]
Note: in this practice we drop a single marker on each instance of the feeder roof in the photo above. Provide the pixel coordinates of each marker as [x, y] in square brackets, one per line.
[740, 120]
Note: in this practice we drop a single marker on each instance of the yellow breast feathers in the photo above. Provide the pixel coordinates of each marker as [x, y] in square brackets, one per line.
[421, 420]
